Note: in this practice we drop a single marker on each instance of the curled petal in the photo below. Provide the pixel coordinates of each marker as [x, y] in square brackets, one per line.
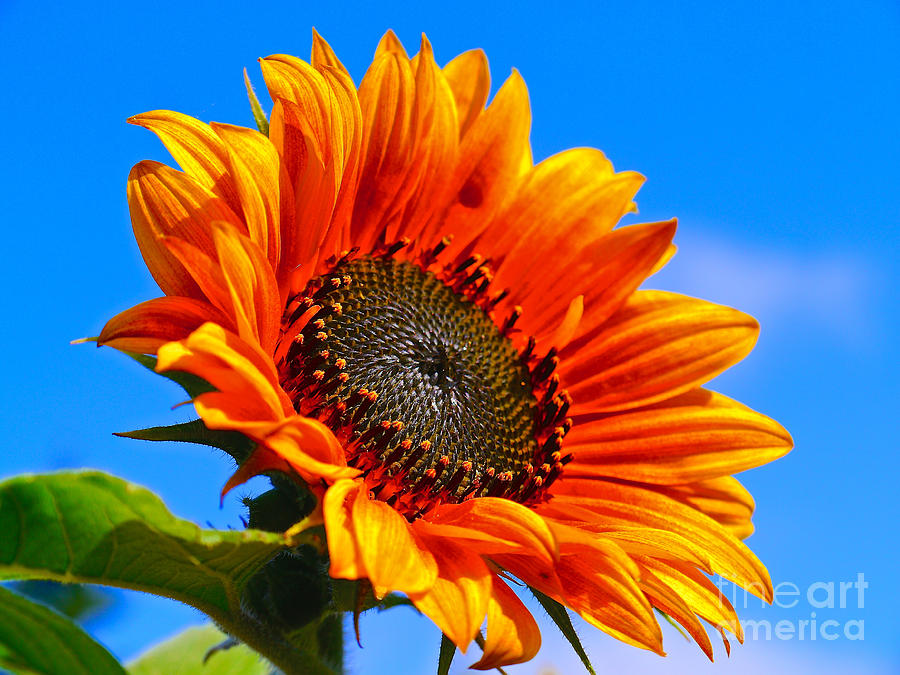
[488, 521]
[197, 150]
[167, 203]
[458, 600]
[513, 635]
[395, 557]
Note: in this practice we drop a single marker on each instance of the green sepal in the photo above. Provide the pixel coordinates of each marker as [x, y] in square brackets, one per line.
[259, 116]
[39, 641]
[563, 621]
[445, 657]
[672, 622]
[196, 651]
[193, 385]
[234, 443]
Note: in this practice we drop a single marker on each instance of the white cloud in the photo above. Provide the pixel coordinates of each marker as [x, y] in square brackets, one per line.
[830, 291]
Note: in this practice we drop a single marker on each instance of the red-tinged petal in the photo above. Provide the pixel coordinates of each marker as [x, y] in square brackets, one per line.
[314, 188]
[255, 165]
[686, 439]
[493, 155]
[310, 448]
[513, 635]
[146, 327]
[435, 147]
[251, 285]
[238, 281]
[386, 97]
[458, 600]
[658, 345]
[629, 506]
[567, 327]
[567, 203]
[259, 461]
[470, 80]
[344, 553]
[501, 519]
[165, 202]
[395, 558]
[195, 147]
[608, 272]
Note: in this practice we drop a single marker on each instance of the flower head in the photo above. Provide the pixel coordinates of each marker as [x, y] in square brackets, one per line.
[446, 343]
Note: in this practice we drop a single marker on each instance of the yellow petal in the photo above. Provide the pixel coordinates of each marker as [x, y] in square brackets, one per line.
[513, 635]
[458, 600]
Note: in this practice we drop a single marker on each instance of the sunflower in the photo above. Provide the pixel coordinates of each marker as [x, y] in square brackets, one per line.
[446, 343]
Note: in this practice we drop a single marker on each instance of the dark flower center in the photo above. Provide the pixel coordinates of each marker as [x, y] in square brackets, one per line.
[427, 394]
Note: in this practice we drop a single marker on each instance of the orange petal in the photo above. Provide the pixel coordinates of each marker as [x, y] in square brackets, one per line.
[313, 184]
[689, 438]
[658, 345]
[345, 555]
[458, 600]
[317, 128]
[513, 635]
[470, 80]
[394, 556]
[251, 285]
[195, 147]
[599, 587]
[254, 163]
[387, 98]
[323, 55]
[146, 327]
[667, 600]
[245, 379]
[724, 500]
[567, 202]
[567, 327]
[697, 592]
[517, 527]
[165, 202]
[390, 44]
[608, 272]
[492, 157]
[435, 147]
[238, 281]
[616, 505]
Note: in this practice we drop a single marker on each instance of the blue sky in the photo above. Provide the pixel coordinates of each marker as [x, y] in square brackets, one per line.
[771, 131]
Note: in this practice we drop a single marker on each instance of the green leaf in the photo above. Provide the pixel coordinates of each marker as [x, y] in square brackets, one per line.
[194, 652]
[445, 658]
[193, 385]
[258, 115]
[234, 443]
[560, 616]
[89, 527]
[37, 640]
[94, 528]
